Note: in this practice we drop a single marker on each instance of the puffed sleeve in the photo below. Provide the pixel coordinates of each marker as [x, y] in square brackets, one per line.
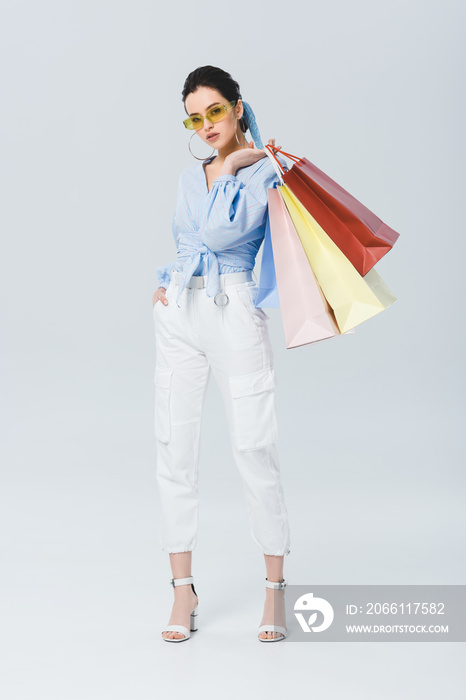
[236, 212]
[163, 274]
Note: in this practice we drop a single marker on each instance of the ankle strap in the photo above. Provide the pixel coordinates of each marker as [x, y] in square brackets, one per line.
[275, 584]
[181, 581]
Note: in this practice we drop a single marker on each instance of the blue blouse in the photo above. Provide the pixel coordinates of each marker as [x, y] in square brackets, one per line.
[220, 230]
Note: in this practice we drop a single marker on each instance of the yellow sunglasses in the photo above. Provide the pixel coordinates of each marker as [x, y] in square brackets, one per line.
[214, 114]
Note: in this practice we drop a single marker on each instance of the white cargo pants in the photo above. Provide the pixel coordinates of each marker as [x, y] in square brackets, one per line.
[233, 340]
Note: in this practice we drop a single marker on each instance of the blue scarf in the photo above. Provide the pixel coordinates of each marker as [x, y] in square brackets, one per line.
[252, 124]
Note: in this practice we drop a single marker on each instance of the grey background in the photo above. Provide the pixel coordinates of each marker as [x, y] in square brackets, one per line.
[370, 424]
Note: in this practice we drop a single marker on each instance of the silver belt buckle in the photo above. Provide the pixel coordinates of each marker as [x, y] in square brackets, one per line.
[221, 299]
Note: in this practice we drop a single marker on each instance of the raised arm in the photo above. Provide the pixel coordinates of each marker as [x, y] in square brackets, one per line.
[236, 211]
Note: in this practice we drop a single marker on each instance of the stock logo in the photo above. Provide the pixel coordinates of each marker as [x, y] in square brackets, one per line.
[312, 606]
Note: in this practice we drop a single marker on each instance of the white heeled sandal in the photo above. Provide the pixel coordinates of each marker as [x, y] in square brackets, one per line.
[273, 628]
[194, 614]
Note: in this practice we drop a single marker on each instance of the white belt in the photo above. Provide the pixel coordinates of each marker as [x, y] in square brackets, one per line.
[200, 281]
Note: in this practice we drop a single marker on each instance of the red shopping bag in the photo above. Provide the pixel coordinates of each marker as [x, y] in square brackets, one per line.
[360, 235]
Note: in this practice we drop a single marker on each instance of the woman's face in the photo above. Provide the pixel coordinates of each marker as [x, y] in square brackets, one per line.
[199, 102]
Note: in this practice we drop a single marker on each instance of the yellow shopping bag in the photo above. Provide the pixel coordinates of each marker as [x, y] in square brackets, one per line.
[353, 298]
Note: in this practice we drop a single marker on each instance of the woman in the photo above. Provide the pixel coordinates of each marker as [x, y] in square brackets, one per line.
[205, 318]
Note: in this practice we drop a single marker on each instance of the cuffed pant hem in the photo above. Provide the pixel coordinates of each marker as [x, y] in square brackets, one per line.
[277, 554]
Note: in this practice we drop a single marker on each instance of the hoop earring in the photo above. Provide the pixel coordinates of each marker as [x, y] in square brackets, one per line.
[189, 146]
[244, 140]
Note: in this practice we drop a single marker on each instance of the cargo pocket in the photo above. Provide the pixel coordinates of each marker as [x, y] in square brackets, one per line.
[163, 381]
[254, 418]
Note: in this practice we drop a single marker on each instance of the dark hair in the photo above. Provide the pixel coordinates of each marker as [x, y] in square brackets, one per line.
[217, 79]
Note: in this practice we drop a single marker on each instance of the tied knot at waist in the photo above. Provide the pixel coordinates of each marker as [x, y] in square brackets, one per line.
[213, 282]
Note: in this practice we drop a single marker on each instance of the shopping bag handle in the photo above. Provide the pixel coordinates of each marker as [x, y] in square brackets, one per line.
[271, 150]
[284, 153]
[295, 158]
[276, 164]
